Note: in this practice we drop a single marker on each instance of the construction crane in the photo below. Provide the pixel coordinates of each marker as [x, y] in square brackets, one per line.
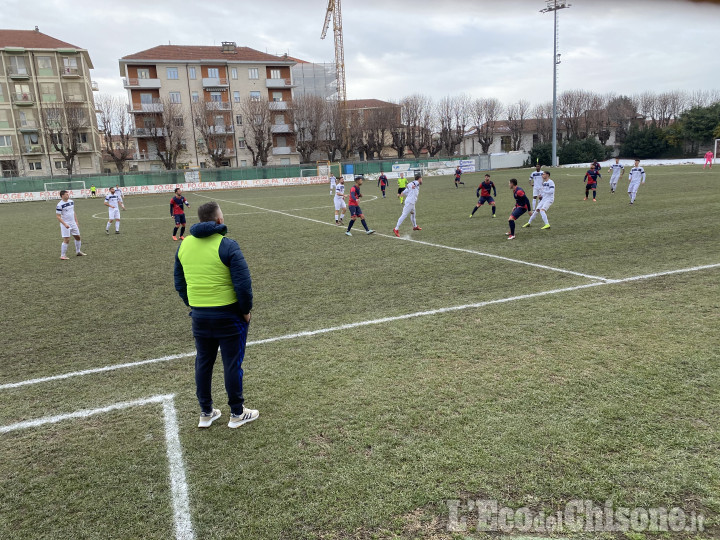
[334, 12]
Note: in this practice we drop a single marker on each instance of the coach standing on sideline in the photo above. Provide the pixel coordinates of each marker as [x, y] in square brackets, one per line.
[212, 277]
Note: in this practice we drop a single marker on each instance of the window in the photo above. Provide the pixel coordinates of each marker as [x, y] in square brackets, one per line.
[179, 121]
[281, 141]
[4, 122]
[213, 73]
[195, 97]
[172, 73]
[5, 140]
[253, 73]
[143, 73]
[36, 166]
[70, 65]
[505, 144]
[258, 119]
[61, 164]
[255, 96]
[48, 93]
[233, 73]
[274, 73]
[277, 96]
[82, 138]
[279, 119]
[146, 99]
[44, 64]
[241, 143]
[236, 97]
[183, 144]
[17, 65]
[191, 73]
[174, 97]
[238, 119]
[284, 161]
[215, 97]
[243, 162]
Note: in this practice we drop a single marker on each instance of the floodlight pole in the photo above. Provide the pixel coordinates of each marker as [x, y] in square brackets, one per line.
[554, 6]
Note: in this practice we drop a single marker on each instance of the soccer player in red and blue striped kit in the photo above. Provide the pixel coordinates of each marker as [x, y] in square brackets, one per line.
[177, 211]
[522, 205]
[354, 205]
[591, 177]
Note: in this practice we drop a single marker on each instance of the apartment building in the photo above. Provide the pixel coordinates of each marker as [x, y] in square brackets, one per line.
[46, 103]
[199, 95]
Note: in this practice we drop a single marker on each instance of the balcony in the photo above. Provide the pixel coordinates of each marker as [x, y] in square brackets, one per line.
[226, 152]
[144, 156]
[281, 128]
[32, 149]
[155, 107]
[23, 98]
[278, 105]
[221, 130]
[281, 150]
[70, 72]
[74, 98]
[148, 132]
[6, 151]
[18, 73]
[130, 82]
[95, 87]
[218, 105]
[215, 82]
[278, 83]
[84, 147]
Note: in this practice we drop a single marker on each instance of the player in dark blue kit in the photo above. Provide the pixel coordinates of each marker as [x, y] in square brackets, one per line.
[458, 174]
[591, 177]
[522, 205]
[177, 210]
[382, 182]
[483, 192]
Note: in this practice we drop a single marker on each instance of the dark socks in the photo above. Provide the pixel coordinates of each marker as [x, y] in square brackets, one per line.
[493, 209]
[364, 224]
[587, 192]
[182, 231]
[352, 222]
[593, 193]
[475, 210]
[175, 231]
[512, 226]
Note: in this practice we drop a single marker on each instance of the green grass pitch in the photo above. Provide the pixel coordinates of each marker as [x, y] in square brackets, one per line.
[604, 392]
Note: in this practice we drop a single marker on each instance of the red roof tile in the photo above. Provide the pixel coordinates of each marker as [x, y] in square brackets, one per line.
[196, 53]
[32, 39]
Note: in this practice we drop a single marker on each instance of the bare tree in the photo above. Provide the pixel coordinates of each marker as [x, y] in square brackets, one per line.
[678, 104]
[415, 114]
[453, 114]
[621, 111]
[257, 129]
[648, 106]
[572, 105]
[214, 124]
[308, 114]
[64, 122]
[380, 123]
[165, 124]
[486, 112]
[516, 115]
[115, 124]
[543, 122]
[597, 121]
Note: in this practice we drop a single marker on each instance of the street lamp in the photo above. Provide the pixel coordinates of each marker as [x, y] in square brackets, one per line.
[555, 6]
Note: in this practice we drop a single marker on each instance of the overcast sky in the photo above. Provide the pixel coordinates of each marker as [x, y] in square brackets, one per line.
[394, 48]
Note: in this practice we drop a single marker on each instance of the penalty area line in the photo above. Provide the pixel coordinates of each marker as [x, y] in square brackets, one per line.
[310, 333]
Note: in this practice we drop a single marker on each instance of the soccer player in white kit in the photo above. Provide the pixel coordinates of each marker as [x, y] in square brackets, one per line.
[536, 181]
[340, 205]
[113, 201]
[617, 170]
[411, 193]
[333, 183]
[636, 177]
[65, 213]
[547, 197]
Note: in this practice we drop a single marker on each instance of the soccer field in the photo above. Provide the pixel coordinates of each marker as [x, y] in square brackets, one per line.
[392, 375]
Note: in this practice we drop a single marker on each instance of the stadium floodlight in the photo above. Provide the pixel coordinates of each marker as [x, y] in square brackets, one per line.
[555, 6]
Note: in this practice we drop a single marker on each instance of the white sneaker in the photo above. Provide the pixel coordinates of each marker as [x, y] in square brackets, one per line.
[348, 233]
[248, 415]
[206, 419]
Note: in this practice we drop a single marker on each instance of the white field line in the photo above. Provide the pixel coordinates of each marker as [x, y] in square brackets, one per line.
[369, 322]
[100, 215]
[441, 246]
[178, 482]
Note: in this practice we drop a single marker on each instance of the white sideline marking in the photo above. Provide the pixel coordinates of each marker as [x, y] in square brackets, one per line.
[178, 482]
[408, 239]
[308, 333]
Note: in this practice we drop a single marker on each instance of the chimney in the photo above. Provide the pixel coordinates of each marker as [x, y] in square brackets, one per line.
[36, 28]
[229, 47]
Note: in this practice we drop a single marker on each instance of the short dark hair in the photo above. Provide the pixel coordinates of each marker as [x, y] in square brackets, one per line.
[513, 181]
[418, 175]
[176, 189]
[208, 211]
[63, 192]
[487, 176]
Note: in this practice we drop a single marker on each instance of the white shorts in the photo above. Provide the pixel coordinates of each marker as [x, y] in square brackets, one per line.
[537, 191]
[545, 204]
[340, 203]
[74, 230]
[633, 187]
[114, 213]
[614, 180]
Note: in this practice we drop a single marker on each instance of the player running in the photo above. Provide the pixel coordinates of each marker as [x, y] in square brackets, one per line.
[402, 184]
[354, 204]
[618, 170]
[636, 177]
[709, 159]
[458, 174]
[112, 201]
[177, 211]
[340, 205]
[483, 192]
[546, 199]
[522, 205]
[382, 182]
[65, 213]
[536, 182]
[411, 194]
[591, 176]
[333, 183]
